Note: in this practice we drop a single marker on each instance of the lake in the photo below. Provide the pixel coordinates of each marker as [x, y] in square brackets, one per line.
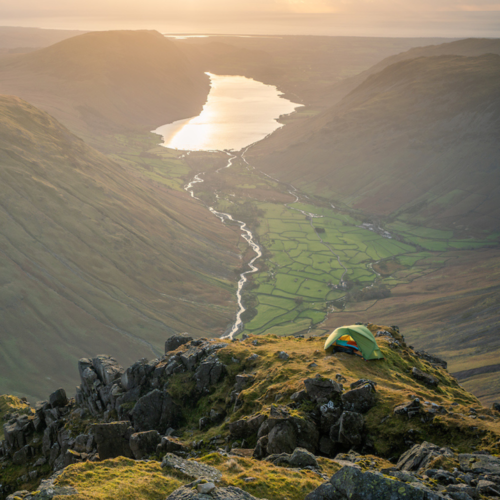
[239, 111]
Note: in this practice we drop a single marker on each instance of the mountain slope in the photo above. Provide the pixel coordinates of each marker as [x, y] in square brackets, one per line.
[417, 140]
[107, 82]
[15, 37]
[93, 258]
[469, 47]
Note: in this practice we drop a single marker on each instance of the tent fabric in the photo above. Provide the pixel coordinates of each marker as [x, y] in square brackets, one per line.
[364, 339]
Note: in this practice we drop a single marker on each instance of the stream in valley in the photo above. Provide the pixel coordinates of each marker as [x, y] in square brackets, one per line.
[239, 112]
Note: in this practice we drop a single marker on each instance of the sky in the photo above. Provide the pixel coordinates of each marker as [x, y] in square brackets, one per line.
[447, 18]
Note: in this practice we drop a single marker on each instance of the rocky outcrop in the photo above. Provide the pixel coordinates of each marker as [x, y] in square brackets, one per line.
[433, 360]
[420, 455]
[196, 491]
[175, 341]
[299, 458]
[156, 410]
[350, 483]
[321, 389]
[113, 439]
[145, 443]
[360, 399]
[190, 469]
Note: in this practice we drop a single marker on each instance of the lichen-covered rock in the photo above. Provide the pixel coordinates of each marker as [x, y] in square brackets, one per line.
[190, 492]
[420, 455]
[190, 468]
[299, 458]
[113, 439]
[156, 411]
[479, 463]
[350, 483]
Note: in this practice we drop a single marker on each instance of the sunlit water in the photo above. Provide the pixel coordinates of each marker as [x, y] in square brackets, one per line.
[239, 111]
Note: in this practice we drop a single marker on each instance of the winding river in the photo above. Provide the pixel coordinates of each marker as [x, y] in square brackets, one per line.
[250, 239]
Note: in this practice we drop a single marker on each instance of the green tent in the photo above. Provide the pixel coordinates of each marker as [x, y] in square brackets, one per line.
[360, 337]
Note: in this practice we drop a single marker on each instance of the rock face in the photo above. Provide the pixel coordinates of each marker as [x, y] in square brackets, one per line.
[58, 399]
[350, 483]
[190, 492]
[360, 399]
[113, 439]
[143, 444]
[156, 411]
[320, 388]
[421, 455]
[175, 341]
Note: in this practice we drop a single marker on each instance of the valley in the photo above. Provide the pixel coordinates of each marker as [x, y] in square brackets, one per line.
[356, 244]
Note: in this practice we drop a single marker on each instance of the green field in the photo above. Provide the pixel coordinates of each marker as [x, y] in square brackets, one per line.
[302, 275]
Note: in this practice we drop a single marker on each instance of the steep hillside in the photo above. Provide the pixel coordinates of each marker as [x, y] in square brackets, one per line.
[266, 417]
[418, 140]
[469, 47]
[94, 258]
[104, 82]
[302, 67]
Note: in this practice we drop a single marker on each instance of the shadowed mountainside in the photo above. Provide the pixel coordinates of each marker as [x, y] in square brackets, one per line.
[418, 140]
[94, 258]
[106, 82]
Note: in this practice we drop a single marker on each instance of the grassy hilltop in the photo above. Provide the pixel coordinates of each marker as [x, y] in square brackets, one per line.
[460, 424]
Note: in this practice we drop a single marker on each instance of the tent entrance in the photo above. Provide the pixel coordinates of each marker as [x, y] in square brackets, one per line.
[354, 339]
[346, 344]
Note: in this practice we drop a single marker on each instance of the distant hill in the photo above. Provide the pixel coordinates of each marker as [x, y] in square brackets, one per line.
[108, 82]
[94, 258]
[469, 47]
[303, 67]
[14, 37]
[418, 140]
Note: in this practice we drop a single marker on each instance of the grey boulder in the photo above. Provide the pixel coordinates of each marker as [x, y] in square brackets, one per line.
[190, 468]
[419, 456]
[322, 388]
[143, 444]
[112, 439]
[350, 483]
[190, 492]
[360, 399]
[175, 341]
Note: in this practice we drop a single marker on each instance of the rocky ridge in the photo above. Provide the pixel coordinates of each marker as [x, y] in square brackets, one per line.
[371, 423]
